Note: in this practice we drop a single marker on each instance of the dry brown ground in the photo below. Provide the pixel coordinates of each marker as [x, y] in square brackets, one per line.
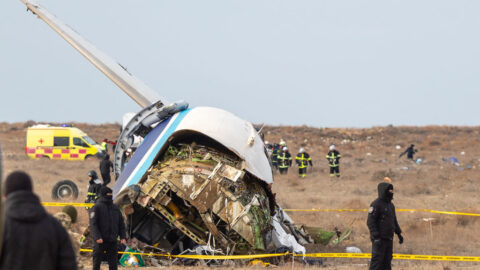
[367, 156]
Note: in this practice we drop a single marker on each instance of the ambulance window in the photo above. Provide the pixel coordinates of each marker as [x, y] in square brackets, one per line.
[89, 140]
[79, 142]
[61, 141]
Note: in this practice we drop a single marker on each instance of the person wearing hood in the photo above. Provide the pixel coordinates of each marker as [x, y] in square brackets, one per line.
[106, 166]
[382, 224]
[106, 223]
[32, 238]
[94, 185]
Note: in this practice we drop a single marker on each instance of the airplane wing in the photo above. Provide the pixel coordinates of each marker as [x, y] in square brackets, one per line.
[133, 87]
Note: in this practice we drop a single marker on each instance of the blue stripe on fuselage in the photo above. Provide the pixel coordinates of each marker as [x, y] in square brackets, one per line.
[151, 145]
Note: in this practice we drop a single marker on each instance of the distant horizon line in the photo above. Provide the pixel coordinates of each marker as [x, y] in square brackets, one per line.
[54, 123]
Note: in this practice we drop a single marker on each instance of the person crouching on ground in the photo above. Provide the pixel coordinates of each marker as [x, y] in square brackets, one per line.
[32, 238]
[106, 223]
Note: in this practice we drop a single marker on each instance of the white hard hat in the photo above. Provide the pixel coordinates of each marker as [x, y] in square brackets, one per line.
[332, 147]
[266, 142]
[302, 150]
[285, 148]
[283, 143]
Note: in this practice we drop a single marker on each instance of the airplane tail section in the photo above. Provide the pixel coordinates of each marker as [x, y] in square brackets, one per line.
[133, 87]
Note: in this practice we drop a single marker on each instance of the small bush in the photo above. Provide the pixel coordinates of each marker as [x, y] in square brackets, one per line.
[29, 123]
[435, 143]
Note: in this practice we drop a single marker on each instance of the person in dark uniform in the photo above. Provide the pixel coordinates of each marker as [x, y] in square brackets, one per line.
[275, 152]
[410, 152]
[284, 160]
[106, 166]
[333, 157]
[94, 185]
[303, 159]
[382, 224]
[106, 223]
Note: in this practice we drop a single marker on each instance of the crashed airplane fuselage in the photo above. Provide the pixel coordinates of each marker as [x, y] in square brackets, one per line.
[200, 176]
[190, 171]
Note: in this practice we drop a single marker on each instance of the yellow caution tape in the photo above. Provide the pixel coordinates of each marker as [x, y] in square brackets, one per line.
[133, 253]
[210, 257]
[64, 204]
[316, 255]
[304, 210]
[325, 210]
[231, 257]
[336, 255]
[395, 256]
[398, 210]
[436, 258]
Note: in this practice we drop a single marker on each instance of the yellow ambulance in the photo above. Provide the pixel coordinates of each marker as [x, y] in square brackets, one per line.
[65, 142]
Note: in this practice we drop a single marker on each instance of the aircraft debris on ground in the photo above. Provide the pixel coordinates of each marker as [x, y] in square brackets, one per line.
[199, 181]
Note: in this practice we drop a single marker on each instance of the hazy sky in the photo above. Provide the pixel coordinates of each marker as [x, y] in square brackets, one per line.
[336, 63]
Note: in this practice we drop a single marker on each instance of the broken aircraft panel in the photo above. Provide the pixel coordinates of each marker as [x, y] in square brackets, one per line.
[205, 193]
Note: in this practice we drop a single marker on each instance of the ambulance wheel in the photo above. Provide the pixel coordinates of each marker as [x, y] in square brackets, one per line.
[65, 189]
[88, 157]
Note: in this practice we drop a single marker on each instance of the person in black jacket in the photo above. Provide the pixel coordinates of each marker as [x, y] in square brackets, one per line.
[32, 239]
[382, 223]
[106, 166]
[106, 223]
[93, 191]
[410, 151]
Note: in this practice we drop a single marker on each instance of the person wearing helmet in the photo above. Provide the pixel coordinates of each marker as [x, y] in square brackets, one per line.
[269, 148]
[93, 188]
[284, 160]
[276, 151]
[303, 159]
[333, 158]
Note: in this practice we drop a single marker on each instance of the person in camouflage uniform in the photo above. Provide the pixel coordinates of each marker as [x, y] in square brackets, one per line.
[65, 218]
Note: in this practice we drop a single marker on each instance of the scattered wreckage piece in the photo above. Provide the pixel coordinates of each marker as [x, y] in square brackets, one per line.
[204, 194]
[325, 238]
